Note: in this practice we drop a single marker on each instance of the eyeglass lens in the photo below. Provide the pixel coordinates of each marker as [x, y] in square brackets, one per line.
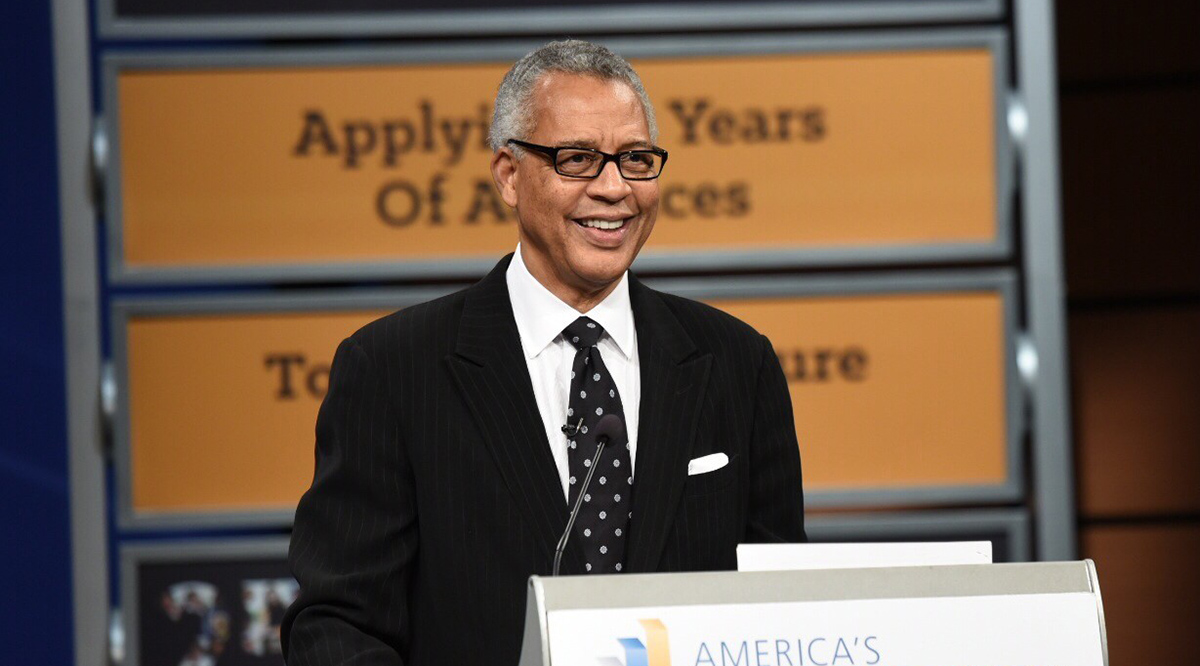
[585, 163]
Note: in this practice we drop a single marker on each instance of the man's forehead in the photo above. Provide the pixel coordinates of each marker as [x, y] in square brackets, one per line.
[582, 141]
[575, 106]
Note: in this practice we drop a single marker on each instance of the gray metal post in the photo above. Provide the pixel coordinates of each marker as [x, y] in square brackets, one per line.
[1053, 471]
[73, 106]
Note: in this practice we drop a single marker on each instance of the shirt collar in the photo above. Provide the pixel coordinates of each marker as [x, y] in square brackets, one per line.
[541, 316]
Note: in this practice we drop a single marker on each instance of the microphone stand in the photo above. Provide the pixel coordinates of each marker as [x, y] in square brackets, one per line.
[562, 543]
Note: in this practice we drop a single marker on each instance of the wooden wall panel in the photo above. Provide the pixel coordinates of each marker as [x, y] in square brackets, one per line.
[1136, 382]
[1130, 94]
[1151, 590]
[1106, 39]
[1131, 191]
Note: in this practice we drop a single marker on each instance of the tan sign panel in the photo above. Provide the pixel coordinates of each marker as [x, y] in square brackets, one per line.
[895, 392]
[222, 408]
[892, 391]
[300, 166]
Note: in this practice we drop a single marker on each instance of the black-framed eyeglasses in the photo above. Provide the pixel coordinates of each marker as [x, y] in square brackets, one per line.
[572, 162]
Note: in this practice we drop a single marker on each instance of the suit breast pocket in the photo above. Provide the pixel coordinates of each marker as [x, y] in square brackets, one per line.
[712, 482]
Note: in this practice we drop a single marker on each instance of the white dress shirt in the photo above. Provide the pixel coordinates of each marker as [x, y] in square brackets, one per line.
[541, 318]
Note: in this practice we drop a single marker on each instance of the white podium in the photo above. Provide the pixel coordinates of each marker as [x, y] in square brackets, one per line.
[1038, 614]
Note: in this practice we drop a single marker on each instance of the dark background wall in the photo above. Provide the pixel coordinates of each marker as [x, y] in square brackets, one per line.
[1130, 103]
[35, 559]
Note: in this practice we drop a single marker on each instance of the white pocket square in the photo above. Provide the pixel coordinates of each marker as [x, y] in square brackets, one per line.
[709, 463]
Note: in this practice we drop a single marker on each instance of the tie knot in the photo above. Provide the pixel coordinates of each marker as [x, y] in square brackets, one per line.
[583, 333]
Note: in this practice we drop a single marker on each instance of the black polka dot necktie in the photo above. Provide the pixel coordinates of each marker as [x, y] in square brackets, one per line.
[604, 515]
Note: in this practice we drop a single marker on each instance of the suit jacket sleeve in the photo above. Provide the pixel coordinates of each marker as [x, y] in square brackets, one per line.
[776, 505]
[354, 541]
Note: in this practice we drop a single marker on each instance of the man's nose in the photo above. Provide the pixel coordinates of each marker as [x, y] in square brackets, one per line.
[610, 185]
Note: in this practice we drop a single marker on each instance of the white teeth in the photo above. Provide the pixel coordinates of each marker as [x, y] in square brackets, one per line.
[603, 224]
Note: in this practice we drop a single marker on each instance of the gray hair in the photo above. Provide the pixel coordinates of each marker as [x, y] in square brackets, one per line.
[513, 115]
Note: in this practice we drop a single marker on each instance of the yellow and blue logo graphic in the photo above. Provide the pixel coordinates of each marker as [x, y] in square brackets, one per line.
[656, 651]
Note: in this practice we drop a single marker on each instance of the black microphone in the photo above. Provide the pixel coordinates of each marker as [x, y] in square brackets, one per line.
[572, 430]
[609, 427]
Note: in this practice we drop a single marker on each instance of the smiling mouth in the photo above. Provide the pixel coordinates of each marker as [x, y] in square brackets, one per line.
[605, 225]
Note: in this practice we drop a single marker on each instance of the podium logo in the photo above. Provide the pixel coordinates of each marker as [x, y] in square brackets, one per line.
[656, 651]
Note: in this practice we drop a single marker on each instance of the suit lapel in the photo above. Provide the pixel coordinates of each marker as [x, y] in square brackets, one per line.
[490, 370]
[674, 378]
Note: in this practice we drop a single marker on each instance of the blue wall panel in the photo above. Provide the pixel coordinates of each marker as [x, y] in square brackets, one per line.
[35, 552]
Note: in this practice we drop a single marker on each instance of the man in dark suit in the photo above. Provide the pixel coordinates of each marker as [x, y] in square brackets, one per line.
[456, 435]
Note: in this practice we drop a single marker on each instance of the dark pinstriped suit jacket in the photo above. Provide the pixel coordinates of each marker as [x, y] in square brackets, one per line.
[436, 496]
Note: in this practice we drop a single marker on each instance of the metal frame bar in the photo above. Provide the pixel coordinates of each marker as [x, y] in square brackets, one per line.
[514, 19]
[124, 309]
[660, 47]
[1053, 468]
[134, 555]
[1000, 280]
[81, 327]
[891, 526]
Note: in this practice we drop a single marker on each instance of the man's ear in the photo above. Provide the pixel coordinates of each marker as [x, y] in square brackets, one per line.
[504, 173]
